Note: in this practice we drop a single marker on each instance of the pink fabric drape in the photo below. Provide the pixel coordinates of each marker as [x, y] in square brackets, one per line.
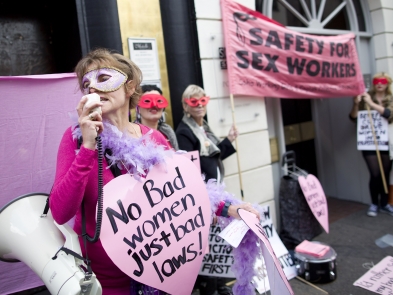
[33, 117]
[267, 59]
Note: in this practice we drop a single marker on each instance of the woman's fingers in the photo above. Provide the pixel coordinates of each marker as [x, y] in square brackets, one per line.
[245, 206]
[233, 133]
[94, 116]
[367, 98]
[99, 127]
[91, 125]
[248, 207]
[81, 104]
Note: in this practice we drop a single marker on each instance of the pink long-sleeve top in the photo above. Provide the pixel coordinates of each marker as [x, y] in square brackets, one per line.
[76, 180]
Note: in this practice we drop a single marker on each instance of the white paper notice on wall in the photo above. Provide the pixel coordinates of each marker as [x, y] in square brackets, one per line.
[365, 136]
[143, 51]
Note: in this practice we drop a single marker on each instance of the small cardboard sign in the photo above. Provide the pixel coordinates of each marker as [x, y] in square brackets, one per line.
[156, 230]
[218, 260]
[277, 280]
[365, 137]
[235, 232]
[378, 279]
[316, 199]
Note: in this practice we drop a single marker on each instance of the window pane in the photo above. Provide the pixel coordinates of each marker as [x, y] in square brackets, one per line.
[360, 16]
[340, 21]
[286, 17]
[259, 5]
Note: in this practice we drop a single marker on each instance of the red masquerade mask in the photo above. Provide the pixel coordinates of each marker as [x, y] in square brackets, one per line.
[194, 102]
[380, 80]
[149, 101]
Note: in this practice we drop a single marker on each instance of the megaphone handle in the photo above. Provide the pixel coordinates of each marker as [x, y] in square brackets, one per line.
[69, 252]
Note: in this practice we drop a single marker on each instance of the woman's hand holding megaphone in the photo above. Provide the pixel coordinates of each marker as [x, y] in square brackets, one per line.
[90, 121]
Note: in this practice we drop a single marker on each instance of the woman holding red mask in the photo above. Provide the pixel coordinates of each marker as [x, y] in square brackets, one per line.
[194, 134]
[150, 112]
[380, 99]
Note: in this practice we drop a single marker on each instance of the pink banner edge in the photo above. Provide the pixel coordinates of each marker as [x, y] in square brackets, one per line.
[44, 76]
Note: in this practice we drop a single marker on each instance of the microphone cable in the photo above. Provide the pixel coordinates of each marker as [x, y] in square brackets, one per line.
[100, 195]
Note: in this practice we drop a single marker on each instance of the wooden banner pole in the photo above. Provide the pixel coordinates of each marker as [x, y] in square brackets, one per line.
[377, 150]
[312, 285]
[237, 148]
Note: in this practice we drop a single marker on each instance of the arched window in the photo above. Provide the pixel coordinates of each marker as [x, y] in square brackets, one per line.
[318, 16]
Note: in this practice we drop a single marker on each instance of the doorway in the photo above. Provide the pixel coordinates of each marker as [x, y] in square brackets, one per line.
[299, 132]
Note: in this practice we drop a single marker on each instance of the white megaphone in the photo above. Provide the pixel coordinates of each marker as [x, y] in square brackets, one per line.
[29, 236]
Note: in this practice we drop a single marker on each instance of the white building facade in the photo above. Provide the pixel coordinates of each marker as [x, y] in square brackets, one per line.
[263, 135]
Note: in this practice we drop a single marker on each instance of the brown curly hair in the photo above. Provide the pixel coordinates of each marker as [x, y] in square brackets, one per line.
[103, 57]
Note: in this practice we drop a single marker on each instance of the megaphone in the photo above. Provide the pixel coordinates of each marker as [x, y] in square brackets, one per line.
[37, 240]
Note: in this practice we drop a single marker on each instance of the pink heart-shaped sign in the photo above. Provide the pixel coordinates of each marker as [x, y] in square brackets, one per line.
[316, 199]
[156, 230]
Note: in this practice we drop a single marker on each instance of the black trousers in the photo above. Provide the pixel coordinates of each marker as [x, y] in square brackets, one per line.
[377, 192]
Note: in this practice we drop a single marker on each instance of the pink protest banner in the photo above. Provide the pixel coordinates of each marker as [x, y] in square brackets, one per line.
[379, 278]
[156, 230]
[316, 199]
[266, 59]
[278, 282]
[33, 118]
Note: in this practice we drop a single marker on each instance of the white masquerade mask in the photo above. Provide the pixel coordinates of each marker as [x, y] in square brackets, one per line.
[103, 79]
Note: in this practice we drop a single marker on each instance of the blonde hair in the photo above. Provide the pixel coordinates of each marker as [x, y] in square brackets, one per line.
[388, 91]
[191, 91]
[103, 57]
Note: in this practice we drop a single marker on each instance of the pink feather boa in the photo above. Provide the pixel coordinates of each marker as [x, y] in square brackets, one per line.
[246, 253]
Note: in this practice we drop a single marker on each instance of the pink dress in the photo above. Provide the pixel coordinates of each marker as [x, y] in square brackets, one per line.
[76, 180]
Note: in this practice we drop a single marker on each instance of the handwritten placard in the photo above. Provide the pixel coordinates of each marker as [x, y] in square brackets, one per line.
[378, 279]
[218, 261]
[316, 199]
[277, 279]
[156, 230]
[234, 232]
[260, 281]
[365, 136]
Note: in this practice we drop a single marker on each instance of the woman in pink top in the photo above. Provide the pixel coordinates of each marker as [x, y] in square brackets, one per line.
[127, 145]
[116, 80]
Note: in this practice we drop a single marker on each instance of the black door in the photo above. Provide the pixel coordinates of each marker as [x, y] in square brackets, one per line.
[299, 132]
